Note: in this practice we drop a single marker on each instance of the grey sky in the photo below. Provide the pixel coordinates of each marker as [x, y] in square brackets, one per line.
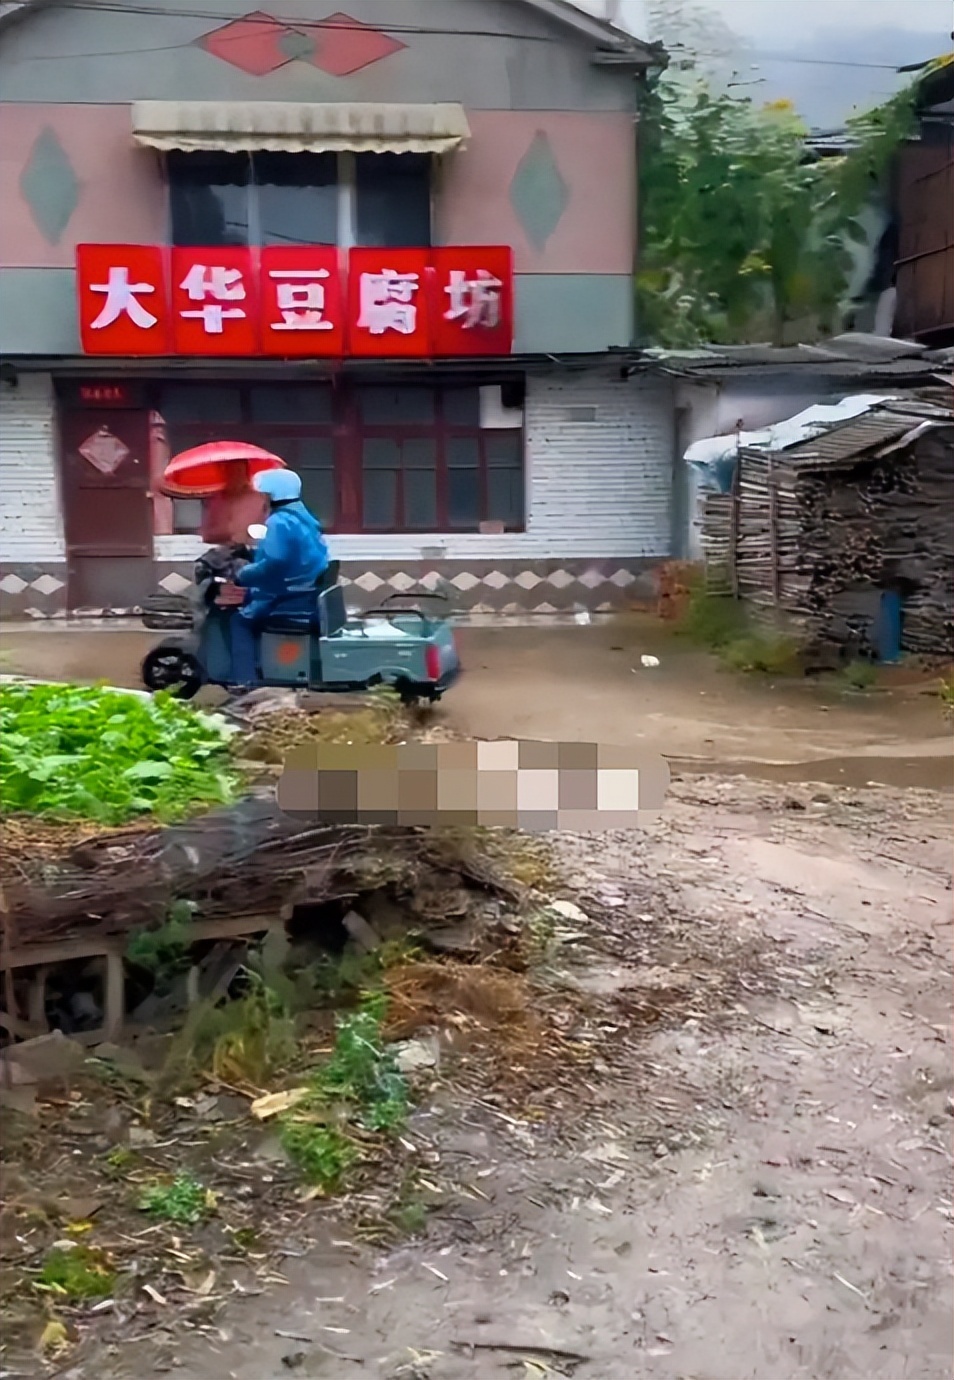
[794, 43]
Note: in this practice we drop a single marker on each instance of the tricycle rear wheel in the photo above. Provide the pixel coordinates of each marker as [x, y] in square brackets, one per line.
[411, 694]
[172, 669]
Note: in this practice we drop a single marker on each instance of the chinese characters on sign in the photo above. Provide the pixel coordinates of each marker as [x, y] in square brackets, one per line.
[213, 302]
[295, 301]
[104, 395]
[475, 311]
[388, 306]
[301, 307]
[124, 308]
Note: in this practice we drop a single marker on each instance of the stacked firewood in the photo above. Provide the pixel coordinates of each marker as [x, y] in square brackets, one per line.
[823, 543]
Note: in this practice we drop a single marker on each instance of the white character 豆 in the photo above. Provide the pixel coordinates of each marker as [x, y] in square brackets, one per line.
[301, 299]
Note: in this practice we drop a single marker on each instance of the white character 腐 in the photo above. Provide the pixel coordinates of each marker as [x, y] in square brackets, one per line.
[301, 299]
[219, 284]
[473, 301]
[387, 302]
[122, 297]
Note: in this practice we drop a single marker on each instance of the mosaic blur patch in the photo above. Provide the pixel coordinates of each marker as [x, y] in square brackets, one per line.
[514, 784]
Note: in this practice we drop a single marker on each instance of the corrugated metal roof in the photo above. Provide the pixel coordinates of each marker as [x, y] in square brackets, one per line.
[849, 442]
[852, 355]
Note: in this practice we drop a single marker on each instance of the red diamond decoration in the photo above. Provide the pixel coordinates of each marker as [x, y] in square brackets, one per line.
[345, 45]
[253, 43]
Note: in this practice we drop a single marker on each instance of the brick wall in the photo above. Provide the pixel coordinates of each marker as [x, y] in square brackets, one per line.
[599, 504]
[599, 482]
[32, 546]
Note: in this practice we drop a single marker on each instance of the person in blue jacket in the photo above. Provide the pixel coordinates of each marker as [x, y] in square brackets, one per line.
[282, 578]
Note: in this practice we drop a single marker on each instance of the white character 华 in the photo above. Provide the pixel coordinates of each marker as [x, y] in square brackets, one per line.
[219, 284]
[473, 301]
[387, 302]
[122, 298]
[300, 294]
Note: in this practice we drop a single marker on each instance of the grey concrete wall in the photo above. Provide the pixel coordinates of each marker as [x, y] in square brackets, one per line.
[486, 54]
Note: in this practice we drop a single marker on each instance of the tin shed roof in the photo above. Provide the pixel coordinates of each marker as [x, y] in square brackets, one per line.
[887, 426]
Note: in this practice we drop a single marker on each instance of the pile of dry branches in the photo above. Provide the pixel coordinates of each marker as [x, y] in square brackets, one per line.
[247, 860]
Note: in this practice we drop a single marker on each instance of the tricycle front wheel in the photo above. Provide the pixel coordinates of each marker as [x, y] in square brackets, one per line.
[172, 669]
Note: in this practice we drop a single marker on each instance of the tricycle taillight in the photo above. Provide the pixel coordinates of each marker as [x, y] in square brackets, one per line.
[432, 662]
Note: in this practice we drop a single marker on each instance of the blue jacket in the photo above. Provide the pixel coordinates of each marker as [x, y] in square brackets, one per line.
[292, 554]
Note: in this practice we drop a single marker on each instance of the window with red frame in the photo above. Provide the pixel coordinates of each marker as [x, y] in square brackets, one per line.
[373, 457]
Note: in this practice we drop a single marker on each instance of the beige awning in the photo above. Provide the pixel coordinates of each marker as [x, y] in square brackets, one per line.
[298, 127]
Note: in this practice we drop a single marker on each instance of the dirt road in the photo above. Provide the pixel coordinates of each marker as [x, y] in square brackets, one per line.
[581, 684]
[757, 1179]
[760, 1184]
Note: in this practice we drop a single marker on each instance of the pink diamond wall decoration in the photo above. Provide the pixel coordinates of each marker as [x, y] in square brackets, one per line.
[253, 44]
[104, 451]
[259, 44]
[345, 45]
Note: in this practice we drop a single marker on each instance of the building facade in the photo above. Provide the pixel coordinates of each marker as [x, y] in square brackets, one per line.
[398, 253]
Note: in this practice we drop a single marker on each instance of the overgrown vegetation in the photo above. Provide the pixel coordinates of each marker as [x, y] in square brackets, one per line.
[244, 1041]
[334, 977]
[184, 1201]
[76, 1274]
[360, 1086]
[946, 693]
[744, 233]
[85, 752]
[722, 625]
[164, 951]
[860, 675]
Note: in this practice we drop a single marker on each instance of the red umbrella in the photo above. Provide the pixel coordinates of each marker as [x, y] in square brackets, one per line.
[211, 469]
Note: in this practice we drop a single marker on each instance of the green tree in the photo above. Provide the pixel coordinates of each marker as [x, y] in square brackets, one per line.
[742, 234]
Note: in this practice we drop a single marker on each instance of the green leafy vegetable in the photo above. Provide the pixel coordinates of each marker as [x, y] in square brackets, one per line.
[77, 751]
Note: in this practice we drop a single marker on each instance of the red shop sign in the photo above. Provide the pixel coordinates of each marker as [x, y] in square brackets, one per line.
[302, 305]
[215, 302]
[472, 300]
[388, 302]
[295, 301]
[123, 301]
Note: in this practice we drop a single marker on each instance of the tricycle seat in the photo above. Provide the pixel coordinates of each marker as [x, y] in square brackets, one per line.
[306, 621]
[326, 619]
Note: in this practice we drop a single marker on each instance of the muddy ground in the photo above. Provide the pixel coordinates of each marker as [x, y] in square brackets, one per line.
[751, 1174]
[753, 1178]
[584, 683]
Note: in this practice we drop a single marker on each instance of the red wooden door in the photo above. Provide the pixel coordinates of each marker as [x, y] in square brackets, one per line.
[107, 508]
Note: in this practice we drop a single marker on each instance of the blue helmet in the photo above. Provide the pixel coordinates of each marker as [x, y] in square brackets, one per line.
[281, 486]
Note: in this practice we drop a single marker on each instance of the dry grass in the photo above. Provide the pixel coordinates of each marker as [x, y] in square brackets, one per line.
[446, 993]
[495, 1020]
[273, 734]
[27, 841]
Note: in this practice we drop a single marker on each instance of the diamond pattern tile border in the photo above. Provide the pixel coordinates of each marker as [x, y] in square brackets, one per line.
[489, 588]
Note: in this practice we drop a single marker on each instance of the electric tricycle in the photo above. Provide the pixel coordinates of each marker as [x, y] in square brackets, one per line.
[321, 648]
[324, 649]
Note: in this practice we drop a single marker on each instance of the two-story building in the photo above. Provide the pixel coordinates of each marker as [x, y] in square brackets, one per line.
[395, 245]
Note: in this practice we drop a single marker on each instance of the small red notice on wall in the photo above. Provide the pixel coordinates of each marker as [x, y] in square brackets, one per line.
[295, 301]
[123, 299]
